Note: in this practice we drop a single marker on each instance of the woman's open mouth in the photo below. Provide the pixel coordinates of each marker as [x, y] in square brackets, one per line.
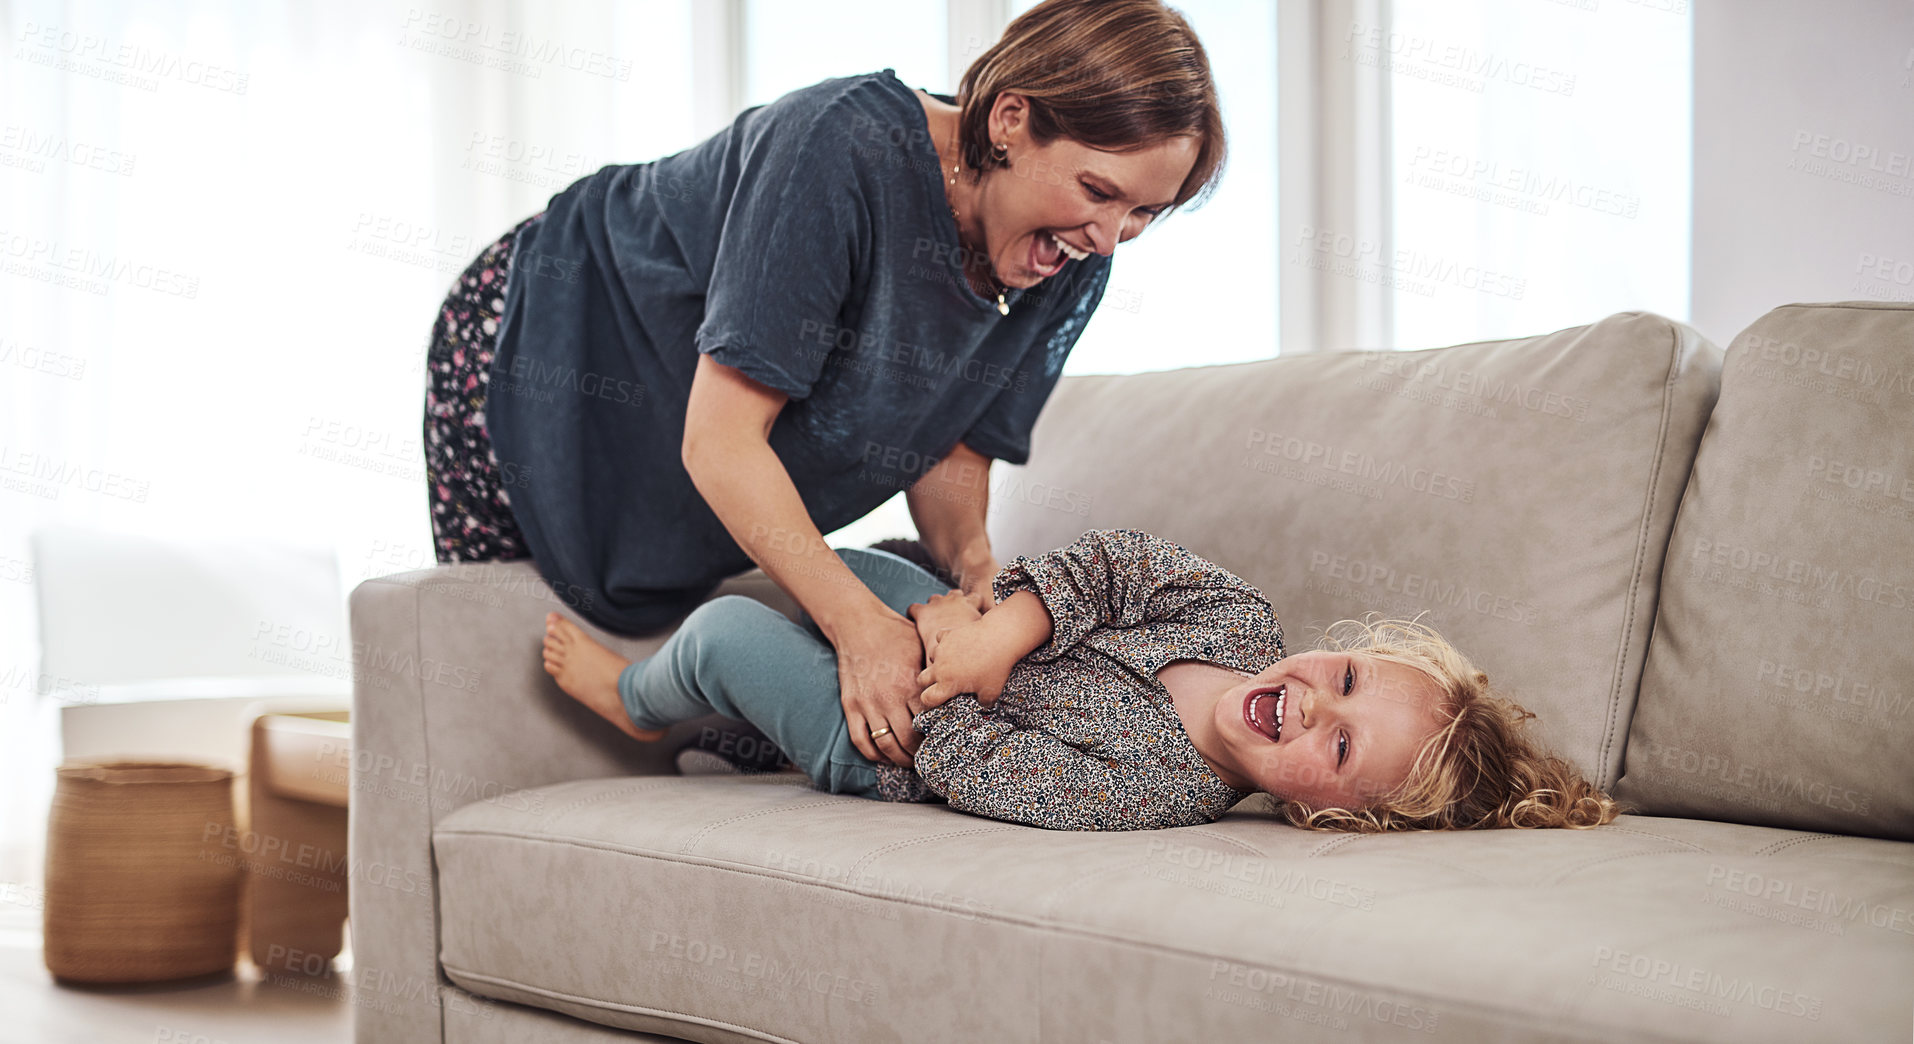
[1048, 253]
[1264, 710]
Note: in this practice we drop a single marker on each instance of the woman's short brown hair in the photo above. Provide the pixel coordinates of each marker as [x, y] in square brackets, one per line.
[1115, 75]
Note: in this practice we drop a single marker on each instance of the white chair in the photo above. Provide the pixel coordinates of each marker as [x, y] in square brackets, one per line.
[156, 648]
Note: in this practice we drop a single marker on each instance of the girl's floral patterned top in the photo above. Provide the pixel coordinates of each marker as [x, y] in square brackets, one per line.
[1083, 736]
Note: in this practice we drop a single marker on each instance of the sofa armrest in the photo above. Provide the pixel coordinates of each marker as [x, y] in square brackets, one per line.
[451, 705]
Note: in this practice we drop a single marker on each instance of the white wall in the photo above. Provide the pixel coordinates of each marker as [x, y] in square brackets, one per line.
[1804, 156]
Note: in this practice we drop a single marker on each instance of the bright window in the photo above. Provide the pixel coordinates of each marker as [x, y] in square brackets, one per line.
[790, 45]
[1541, 164]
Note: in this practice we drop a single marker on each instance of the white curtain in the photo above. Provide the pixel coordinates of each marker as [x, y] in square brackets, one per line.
[227, 228]
[1541, 164]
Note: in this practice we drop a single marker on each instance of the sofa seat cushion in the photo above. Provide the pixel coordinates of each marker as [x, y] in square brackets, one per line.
[755, 908]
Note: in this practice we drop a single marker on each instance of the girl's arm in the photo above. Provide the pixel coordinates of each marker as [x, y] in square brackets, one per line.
[983, 764]
[978, 656]
[1108, 578]
[1128, 578]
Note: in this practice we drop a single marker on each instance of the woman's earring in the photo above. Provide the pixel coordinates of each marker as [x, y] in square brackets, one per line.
[1001, 153]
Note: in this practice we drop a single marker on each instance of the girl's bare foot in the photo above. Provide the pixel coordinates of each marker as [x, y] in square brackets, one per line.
[588, 672]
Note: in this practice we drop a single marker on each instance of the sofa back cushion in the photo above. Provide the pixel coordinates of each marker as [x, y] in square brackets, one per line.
[1779, 688]
[1521, 492]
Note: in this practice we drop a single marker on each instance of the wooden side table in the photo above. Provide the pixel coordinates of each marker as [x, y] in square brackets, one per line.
[295, 844]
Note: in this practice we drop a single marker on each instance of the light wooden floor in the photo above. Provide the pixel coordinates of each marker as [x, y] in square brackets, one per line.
[241, 1009]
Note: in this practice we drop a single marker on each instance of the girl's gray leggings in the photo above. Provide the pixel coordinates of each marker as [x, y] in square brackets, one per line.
[743, 659]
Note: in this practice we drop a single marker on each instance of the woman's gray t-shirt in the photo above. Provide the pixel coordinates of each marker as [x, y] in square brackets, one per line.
[811, 246]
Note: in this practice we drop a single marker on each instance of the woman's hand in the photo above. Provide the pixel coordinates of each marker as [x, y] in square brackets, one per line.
[940, 613]
[877, 664]
[972, 658]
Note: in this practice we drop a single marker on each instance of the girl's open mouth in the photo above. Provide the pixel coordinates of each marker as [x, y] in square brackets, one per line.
[1264, 710]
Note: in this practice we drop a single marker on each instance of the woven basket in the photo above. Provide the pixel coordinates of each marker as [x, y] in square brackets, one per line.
[143, 872]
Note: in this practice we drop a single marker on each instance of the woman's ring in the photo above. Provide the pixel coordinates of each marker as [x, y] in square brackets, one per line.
[885, 731]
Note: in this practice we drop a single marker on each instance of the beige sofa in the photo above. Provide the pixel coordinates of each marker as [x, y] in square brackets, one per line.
[1709, 605]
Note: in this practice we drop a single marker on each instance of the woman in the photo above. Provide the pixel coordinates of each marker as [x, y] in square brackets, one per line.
[707, 361]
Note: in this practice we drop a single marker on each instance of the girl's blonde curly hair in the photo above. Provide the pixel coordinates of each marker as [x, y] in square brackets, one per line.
[1479, 771]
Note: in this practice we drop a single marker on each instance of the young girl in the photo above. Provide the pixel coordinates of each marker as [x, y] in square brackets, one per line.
[1121, 683]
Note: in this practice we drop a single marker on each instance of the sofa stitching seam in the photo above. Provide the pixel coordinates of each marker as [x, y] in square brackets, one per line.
[712, 863]
[1790, 842]
[687, 1016]
[1659, 837]
[629, 788]
[1228, 840]
[1086, 877]
[430, 814]
[709, 828]
[1613, 725]
[1563, 874]
[1331, 845]
[908, 842]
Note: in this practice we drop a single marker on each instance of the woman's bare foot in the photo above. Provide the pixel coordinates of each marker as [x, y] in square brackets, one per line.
[588, 672]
